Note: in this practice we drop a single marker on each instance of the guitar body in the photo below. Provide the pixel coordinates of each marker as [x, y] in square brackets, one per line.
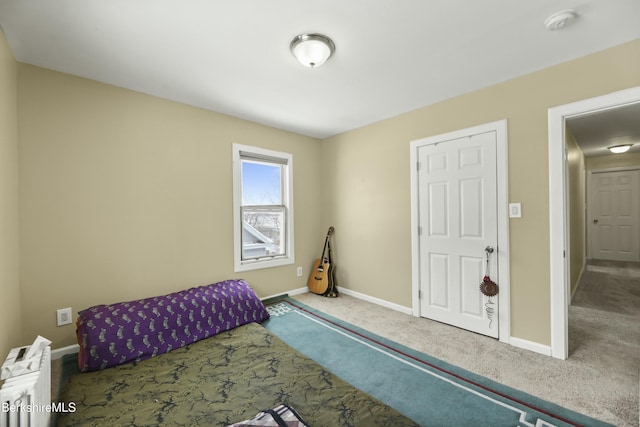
[322, 277]
[319, 277]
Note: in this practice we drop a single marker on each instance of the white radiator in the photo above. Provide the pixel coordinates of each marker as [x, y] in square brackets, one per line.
[26, 397]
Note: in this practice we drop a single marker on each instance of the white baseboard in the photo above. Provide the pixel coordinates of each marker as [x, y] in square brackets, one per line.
[297, 291]
[530, 345]
[63, 351]
[516, 342]
[378, 301]
[368, 298]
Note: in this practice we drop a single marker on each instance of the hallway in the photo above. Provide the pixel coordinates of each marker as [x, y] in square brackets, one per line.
[612, 286]
[604, 325]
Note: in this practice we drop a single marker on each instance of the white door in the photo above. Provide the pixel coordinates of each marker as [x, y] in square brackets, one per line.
[457, 214]
[615, 215]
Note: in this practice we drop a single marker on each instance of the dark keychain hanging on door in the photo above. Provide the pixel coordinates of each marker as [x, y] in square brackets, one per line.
[488, 287]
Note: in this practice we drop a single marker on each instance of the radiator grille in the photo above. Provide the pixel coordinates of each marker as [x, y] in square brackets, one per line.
[26, 398]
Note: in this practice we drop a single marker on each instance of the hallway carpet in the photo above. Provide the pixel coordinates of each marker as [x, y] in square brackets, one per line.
[610, 286]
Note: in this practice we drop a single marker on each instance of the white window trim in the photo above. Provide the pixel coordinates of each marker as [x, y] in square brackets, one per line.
[255, 264]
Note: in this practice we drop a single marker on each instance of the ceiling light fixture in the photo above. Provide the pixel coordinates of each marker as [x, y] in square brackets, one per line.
[312, 50]
[617, 149]
[561, 19]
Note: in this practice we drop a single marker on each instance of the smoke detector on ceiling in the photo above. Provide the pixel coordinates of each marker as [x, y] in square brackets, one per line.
[561, 19]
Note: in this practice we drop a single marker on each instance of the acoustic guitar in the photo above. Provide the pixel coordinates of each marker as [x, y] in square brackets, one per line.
[322, 277]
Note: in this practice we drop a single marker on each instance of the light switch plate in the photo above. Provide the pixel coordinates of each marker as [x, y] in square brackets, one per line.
[515, 210]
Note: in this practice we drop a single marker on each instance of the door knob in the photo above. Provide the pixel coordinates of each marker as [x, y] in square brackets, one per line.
[595, 221]
[489, 249]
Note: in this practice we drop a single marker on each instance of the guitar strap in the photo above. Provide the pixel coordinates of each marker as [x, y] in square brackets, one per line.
[332, 292]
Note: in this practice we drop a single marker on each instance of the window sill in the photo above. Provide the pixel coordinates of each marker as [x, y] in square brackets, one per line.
[260, 264]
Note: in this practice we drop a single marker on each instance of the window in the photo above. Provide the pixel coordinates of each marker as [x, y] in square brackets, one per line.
[262, 208]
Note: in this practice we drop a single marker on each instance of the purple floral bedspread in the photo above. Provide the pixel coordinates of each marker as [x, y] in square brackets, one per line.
[113, 334]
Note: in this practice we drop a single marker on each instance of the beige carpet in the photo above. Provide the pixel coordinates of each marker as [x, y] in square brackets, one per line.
[600, 378]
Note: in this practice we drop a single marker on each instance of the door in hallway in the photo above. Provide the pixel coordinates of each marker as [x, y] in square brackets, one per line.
[614, 218]
[457, 210]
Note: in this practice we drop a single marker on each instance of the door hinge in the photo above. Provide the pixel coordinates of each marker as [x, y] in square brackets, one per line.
[418, 165]
[419, 231]
[419, 294]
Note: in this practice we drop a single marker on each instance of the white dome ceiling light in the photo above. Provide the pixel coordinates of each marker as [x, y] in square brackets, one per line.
[312, 50]
[618, 149]
[561, 19]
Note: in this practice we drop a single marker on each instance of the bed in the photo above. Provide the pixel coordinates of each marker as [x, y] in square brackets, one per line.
[221, 379]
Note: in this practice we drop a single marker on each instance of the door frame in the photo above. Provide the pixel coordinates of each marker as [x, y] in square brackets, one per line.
[504, 298]
[558, 208]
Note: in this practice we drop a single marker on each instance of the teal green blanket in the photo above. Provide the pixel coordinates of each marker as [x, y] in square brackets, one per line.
[219, 381]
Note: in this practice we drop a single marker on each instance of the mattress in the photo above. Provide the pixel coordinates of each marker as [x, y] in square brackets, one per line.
[219, 381]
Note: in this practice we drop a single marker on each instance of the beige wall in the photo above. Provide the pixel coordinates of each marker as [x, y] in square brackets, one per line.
[613, 161]
[368, 195]
[576, 202]
[125, 196]
[10, 333]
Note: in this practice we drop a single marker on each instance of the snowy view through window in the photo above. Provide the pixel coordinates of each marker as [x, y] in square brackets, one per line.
[263, 211]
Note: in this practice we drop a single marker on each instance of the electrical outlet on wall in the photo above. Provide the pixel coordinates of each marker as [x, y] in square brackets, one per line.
[299, 271]
[64, 316]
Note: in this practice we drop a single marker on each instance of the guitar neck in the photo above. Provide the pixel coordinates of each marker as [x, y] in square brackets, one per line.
[326, 244]
[324, 249]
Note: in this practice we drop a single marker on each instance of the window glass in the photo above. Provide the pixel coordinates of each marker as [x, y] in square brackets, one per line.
[262, 205]
[261, 183]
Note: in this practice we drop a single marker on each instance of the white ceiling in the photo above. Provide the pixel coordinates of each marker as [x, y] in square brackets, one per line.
[392, 56]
